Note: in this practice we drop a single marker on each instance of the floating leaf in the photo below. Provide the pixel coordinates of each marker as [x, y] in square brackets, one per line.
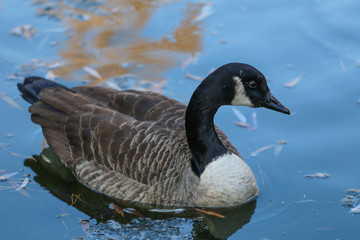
[178, 210]
[305, 201]
[43, 144]
[342, 64]
[10, 101]
[33, 65]
[112, 85]
[254, 120]
[355, 210]
[353, 192]
[324, 229]
[241, 124]
[348, 201]
[19, 155]
[209, 213]
[190, 76]
[54, 43]
[56, 64]
[132, 211]
[290, 66]
[193, 59]
[278, 148]
[239, 115]
[10, 135]
[43, 42]
[9, 175]
[14, 76]
[317, 175]
[66, 228]
[75, 198]
[292, 83]
[85, 226]
[23, 184]
[205, 12]
[118, 210]
[256, 152]
[50, 75]
[92, 72]
[26, 31]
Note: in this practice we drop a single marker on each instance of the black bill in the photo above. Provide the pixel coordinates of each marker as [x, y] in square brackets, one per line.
[272, 103]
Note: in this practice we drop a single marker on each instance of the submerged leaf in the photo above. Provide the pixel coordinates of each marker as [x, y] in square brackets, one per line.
[209, 213]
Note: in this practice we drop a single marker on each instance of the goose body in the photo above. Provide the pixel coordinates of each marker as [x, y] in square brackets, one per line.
[145, 147]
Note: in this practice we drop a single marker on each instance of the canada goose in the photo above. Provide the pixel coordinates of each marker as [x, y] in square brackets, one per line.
[145, 147]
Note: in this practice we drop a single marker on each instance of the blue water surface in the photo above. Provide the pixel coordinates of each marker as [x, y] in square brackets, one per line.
[314, 40]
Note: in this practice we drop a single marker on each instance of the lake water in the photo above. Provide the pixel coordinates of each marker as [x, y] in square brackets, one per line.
[310, 46]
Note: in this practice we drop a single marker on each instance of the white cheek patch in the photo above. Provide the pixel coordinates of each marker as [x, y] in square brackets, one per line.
[240, 98]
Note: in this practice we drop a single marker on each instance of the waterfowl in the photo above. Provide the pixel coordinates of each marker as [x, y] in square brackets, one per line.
[145, 147]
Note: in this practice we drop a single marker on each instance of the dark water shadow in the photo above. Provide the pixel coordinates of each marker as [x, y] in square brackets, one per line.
[58, 179]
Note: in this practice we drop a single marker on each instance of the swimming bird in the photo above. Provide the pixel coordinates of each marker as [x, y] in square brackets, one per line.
[144, 147]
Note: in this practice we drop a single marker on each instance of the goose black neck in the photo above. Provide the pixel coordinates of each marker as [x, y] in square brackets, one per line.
[203, 141]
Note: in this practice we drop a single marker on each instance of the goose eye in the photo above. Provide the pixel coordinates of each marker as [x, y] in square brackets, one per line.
[252, 84]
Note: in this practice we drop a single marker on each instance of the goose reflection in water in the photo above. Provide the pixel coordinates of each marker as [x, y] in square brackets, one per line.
[58, 179]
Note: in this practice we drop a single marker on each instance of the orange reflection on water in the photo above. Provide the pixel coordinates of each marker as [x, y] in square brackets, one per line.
[105, 36]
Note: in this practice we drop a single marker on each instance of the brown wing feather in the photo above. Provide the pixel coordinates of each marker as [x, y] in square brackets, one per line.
[128, 132]
[77, 129]
[141, 105]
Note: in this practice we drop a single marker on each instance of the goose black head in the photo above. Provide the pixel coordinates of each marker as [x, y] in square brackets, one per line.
[244, 85]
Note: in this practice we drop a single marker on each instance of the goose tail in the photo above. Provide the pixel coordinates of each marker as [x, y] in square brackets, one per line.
[32, 86]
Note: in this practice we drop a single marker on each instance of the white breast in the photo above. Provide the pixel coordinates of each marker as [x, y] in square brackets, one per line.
[227, 181]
